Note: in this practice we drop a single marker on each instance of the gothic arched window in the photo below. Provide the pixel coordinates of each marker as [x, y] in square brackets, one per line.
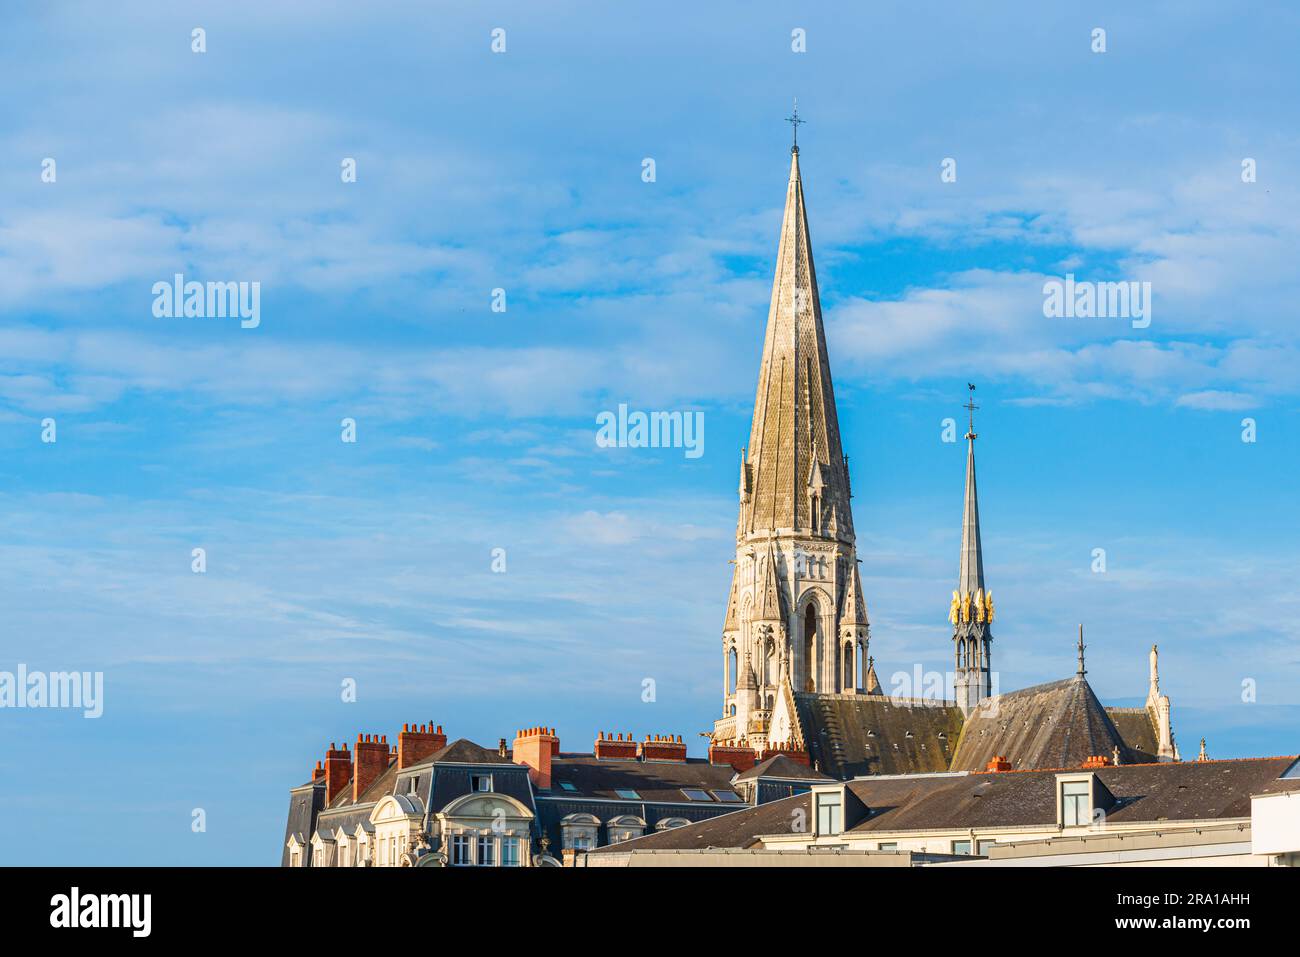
[810, 648]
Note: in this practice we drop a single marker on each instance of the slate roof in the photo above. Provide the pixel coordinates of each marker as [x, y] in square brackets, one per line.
[1194, 790]
[464, 751]
[737, 829]
[654, 781]
[1055, 725]
[851, 735]
[780, 766]
[1138, 729]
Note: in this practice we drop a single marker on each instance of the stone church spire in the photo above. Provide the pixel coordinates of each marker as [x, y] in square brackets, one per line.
[796, 610]
[971, 611]
[795, 472]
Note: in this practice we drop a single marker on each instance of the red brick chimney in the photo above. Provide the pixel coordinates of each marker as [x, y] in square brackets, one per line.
[607, 748]
[535, 747]
[1097, 761]
[317, 773]
[790, 751]
[728, 752]
[999, 763]
[338, 770]
[663, 747]
[371, 760]
[417, 741]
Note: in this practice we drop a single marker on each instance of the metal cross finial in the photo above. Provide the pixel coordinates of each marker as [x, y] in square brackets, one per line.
[970, 406]
[794, 122]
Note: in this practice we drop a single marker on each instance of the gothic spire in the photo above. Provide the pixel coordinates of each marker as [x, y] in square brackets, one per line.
[970, 578]
[795, 426]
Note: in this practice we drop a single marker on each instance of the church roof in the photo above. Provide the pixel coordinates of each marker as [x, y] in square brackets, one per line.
[1139, 731]
[1055, 725]
[856, 734]
[795, 424]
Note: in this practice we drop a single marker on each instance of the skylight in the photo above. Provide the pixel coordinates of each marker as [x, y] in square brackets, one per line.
[627, 794]
[728, 797]
[568, 786]
[695, 794]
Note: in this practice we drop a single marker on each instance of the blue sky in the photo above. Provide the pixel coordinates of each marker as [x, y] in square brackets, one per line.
[476, 429]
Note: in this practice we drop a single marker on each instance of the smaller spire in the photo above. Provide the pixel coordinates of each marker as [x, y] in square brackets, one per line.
[872, 682]
[794, 122]
[1082, 670]
[1202, 756]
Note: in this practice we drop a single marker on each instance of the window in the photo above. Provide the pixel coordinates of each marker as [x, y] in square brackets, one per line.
[627, 794]
[1075, 801]
[480, 782]
[580, 841]
[486, 850]
[460, 850]
[509, 852]
[695, 794]
[568, 786]
[295, 857]
[888, 846]
[411, 785]
[984, 847]
[728, 797]
[830, 813]
[961, 847]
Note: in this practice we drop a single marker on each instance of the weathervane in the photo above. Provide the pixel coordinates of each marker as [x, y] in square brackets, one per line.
[970, 406]
[1082, 670]
[794, 122]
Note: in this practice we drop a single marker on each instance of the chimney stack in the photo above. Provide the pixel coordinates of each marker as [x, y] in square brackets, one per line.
[535, 747]
[789, 750]
[999, 763]
[728, 752]
[663, 747]
[338, 770]
[608, 748]
[370, 761]
[417, 742]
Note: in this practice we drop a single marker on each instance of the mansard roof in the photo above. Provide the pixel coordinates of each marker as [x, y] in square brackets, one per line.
[738, 829]
[853, 734]
[654, 781]
[795, 423]
[1055, 725]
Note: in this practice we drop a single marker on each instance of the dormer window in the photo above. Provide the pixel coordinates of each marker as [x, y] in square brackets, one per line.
[830, 812]
[480, 782]
[1080, 798]
[1076, 803]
